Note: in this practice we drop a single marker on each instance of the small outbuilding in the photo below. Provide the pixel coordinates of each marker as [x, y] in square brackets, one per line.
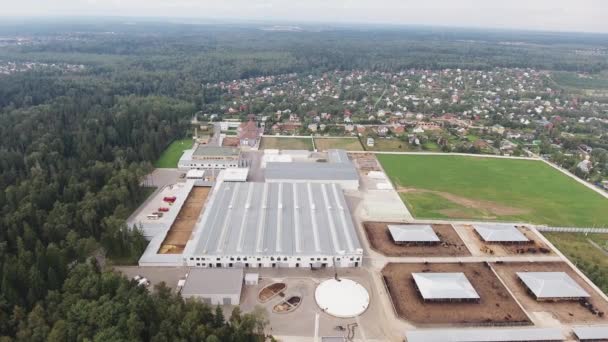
[552, 286]
[445, 287]
[252, 278]
[215, 286]
[413, 234]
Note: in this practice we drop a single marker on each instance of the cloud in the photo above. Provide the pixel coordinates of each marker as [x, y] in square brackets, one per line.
[560, 15]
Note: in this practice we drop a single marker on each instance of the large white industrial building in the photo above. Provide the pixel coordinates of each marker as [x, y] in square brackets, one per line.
[338, 169]
[275, 225]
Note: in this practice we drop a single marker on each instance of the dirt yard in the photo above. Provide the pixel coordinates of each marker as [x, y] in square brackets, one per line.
[379, 238]
[181, 229]
[564, 311]
[535, 247]
[365, 161]
[496, 305]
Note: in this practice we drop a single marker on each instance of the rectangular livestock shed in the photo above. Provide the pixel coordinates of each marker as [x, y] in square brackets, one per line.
[500, 233]
[214, 286]
[445, 287]
[591, 333]
[275, 225]
[413, 233]
[552, 286]
[485, 335]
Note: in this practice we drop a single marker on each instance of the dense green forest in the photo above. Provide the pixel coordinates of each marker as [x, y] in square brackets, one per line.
[75, 145]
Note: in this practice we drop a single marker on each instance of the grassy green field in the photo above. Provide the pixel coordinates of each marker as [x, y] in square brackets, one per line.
[171, 154]
[574, 80]
[493, 189]
[588, 251]
[286, 143]
[349, 144]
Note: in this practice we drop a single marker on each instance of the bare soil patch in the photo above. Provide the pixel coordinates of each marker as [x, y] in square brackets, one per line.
[180, 231]
[496, 306]
[486, 206]
[270, 291]
[564, 311]
[365, 162]
[379, 238]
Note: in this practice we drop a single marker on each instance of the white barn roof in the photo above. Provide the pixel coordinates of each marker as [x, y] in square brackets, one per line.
[596, 332]
[275, 219]
[500, 233]
[444, 286]
[552, 285]
[233, 174]
[412, 233]
[485, 335]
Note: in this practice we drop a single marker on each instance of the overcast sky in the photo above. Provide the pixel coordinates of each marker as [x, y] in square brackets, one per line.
[555, 15]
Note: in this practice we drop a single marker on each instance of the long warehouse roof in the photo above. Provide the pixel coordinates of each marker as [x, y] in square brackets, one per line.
[275, 219]
[485, 335]
[591, 332]
[338, 167]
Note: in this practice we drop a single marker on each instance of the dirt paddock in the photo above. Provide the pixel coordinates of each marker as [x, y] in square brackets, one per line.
[564, 311]
[181, 229]
[451, 245]
[496, 306]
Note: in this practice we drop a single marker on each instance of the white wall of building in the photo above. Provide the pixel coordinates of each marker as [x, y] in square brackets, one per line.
[348, 260]
[216, 299]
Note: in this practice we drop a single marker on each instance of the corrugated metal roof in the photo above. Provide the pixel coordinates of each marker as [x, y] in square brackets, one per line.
[338, 156]
[206, 150]
[413, 233]
[275, 219]
[485, 335]
[496, 232]
[310, 171]
[209, 281]
[552, 285]
[338, 167]
[444, 285]
[597, 332]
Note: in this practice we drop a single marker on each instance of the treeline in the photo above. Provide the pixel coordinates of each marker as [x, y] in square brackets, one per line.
[70, 173]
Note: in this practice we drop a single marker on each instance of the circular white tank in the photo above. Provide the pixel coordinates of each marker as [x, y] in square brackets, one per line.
[342, 298]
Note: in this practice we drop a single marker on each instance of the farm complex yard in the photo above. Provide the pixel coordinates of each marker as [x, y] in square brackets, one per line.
[279, 143]
[460, 187]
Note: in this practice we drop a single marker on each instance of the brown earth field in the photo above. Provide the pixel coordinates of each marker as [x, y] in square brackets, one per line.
[536, 246]
[380, 240]
[180, 231]
[496, 306]
[485, 206]
[564, 311]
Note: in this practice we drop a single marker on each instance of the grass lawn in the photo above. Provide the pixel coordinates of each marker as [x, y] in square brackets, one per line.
[574, 80]
[171, 155]
[349, 144]
[390, 145]
[286, 143]
[590, 258]
[493, 189]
